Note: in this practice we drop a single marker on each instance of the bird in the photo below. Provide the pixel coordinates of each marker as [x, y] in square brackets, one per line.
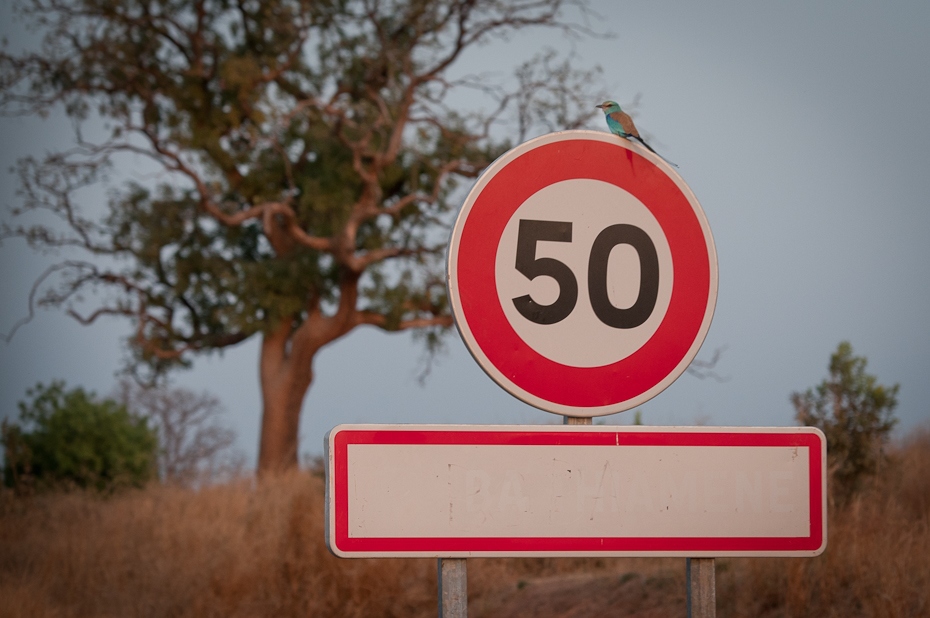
[620, 123]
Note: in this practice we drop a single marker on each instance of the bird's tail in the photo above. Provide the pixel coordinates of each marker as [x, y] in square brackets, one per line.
[648, 147]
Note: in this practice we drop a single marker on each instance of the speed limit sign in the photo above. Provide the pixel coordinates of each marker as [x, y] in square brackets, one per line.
[582, 273]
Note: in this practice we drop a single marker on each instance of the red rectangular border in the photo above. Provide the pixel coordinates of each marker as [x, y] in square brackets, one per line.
[490, 546]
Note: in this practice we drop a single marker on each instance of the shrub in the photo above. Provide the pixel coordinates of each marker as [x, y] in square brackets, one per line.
[856, 414]
[69, 437]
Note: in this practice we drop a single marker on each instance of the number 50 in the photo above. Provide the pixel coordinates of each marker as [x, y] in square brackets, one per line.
[532, 231]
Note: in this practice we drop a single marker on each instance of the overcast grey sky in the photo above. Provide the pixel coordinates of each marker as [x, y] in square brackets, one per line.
[801, 127]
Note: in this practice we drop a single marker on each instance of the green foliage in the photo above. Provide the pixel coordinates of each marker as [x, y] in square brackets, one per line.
[72, 438]
[856, 414]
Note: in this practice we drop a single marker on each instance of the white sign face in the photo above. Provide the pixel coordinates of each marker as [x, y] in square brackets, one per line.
[582, 273]
[514, 491]
[582, 339]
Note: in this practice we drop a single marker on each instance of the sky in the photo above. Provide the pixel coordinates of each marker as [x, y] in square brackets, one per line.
[801, 128]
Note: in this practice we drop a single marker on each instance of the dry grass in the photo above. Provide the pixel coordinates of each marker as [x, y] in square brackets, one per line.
[235, 550]
[256, 549]
[877, 561]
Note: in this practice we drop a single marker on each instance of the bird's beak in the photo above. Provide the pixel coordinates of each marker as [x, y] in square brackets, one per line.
[599, 106]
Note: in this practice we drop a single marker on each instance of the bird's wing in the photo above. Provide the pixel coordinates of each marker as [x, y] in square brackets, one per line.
[626, 122]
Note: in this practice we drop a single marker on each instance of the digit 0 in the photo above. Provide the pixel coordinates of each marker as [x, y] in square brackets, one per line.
[623, 234]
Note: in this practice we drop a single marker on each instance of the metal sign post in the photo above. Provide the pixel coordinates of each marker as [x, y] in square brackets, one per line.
[453, 587]
[702, 587]
[576, 420]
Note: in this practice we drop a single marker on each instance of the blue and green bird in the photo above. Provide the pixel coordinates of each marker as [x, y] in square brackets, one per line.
[620, 123]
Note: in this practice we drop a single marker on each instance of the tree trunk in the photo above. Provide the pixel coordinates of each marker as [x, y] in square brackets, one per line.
[281, 423]
[285, 377]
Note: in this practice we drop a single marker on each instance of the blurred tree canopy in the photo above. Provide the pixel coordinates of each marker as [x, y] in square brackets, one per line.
[70, 437]
[856, 414]
[306, 152]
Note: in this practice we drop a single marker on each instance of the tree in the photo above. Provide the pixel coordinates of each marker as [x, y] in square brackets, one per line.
[72, 437]
[856, 414]
[192, 445]
[307, 153]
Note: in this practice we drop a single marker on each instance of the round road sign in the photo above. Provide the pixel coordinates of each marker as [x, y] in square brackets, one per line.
[582, 273]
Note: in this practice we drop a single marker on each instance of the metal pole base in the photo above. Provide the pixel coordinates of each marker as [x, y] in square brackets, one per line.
[453, 588]
[576, 420]
[702, 587]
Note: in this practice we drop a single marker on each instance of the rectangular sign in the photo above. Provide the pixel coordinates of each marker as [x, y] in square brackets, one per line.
[469, 490]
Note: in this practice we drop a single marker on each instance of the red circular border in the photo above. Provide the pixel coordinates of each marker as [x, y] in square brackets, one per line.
[493, 207]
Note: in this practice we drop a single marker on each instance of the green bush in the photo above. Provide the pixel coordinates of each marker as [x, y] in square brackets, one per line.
[72, 438]
[856, 414]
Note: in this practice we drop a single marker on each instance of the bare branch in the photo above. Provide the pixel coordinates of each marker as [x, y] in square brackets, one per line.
[193, 446]
[48, 272]
[371, 318]
[702, 369]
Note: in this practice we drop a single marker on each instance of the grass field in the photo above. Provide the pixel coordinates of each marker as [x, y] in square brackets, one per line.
[257, 549]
